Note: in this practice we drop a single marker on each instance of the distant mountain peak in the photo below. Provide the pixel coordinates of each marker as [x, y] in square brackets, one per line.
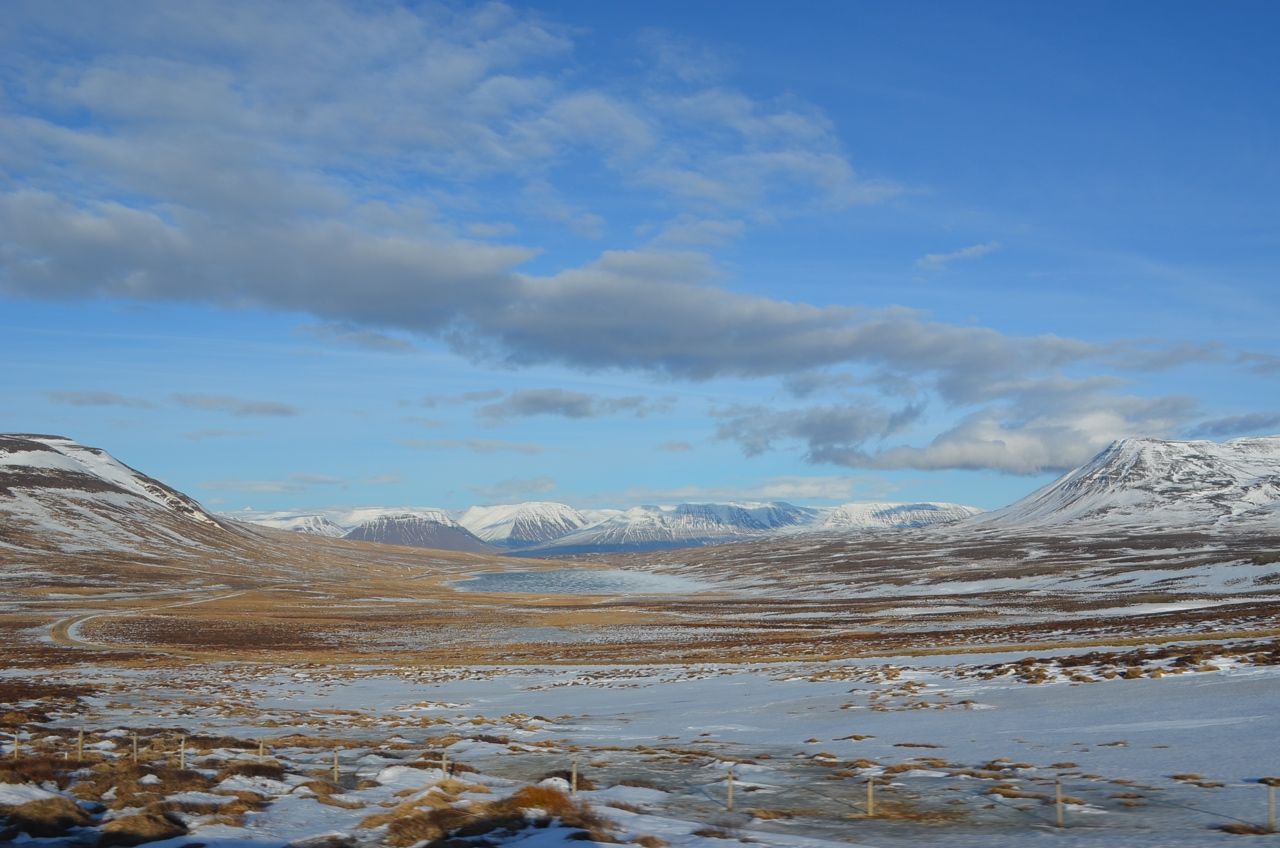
[56, 492]
[1158, 484]
[547, 527]
[522, 524]
[418, 529]
[896, 516]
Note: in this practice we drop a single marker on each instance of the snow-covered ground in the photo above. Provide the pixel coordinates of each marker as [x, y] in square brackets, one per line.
[966, 752]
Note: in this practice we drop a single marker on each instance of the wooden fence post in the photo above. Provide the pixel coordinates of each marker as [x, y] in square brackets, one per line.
[182, 753]
[80, 745]
[728, 800]
[335, 765]
[1057, 802]
[444, 762]
[1271, 807]
[17, 744]
[573, 778]
[871, 797]
[135, 747]
[262, 749]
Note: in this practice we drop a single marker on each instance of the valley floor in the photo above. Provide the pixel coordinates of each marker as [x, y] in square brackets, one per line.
[1160, 748]
[968, 679]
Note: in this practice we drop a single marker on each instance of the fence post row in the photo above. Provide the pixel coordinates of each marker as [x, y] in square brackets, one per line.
[730, 778]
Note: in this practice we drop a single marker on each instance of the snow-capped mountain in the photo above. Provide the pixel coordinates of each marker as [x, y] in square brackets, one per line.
[650, 527]
[540, 527]
[523, 524]
[420, 529]
[893, 516]
[310, 523]
[58, 494]
[1150, 484]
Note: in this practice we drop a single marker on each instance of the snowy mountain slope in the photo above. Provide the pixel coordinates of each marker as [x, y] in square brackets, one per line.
[892, 516]
[1150, 484]
[553, 528]
[523, 524]
[419, 529]
[58, 494]
[648, 527]
[311, 523]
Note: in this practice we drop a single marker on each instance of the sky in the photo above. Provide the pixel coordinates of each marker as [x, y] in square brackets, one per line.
[294, 255]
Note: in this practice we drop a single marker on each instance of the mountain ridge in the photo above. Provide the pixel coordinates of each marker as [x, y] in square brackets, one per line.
[1194, 484]
[537, 528]
[57, 493]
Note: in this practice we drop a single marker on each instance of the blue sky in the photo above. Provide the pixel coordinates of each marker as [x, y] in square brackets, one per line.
[342, 254]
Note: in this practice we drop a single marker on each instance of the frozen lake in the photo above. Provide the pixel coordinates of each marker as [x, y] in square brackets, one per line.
[580, 581]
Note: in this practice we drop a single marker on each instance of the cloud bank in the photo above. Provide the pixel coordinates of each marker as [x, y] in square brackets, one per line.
[342, 165]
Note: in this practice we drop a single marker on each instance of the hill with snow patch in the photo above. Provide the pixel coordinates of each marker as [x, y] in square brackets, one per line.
[1154, 485]
[523, 524]
[57, 494]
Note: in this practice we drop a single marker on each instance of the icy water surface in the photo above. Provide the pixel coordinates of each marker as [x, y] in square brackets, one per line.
[580, 581]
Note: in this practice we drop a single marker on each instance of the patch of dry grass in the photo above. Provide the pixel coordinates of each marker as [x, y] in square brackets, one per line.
[47, 817]
[126, 779]
[140, 828]
[433, 818]
[39, 770]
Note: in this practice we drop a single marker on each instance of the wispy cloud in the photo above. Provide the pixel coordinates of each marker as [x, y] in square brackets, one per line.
[99, 399]
[213, 433]
[1260, 363]
[473, 445]
[299, 482]
[568, 404]
[347, 333]
[478, 396]
[938, 261]
[827, 431]
[235, 406]
[832, 488]
[1237, 425]
[515, 488]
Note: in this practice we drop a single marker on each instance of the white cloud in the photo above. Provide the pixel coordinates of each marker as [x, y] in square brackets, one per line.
[834, 488]
[939, 261]
[235, 406]
[299, 482]
[515, 488]
[98, 398]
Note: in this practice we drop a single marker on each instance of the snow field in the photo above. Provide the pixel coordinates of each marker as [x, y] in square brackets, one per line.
[964, 749]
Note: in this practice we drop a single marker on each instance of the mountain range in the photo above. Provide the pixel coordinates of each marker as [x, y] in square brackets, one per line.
[57, 494]
[543, 528]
